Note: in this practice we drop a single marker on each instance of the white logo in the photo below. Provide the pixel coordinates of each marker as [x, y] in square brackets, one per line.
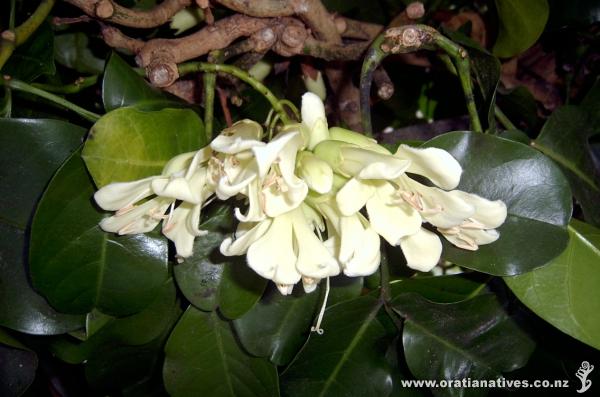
[582, 373]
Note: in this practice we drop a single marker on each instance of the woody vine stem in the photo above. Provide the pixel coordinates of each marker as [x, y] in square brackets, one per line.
[410, 38]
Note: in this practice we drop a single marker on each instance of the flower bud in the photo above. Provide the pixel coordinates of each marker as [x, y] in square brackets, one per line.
[317, 174]
[186, 19]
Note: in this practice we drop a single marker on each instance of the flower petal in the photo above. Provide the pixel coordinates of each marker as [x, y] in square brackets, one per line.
[254, 212]
[182, 228]
[312, 110]
[439, 207]
[422, 250]
[245, 235]
[139, 219]
[119, 195]
[266, 155]
[367, 255]
[435, 164]
[272, 256]
[354, 195]
[314, 260]
[317, 174]
[491, 214]
[390, 219]
[241, 136]
[367, 164]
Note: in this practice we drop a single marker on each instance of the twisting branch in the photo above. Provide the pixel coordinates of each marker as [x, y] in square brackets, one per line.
[12, 38]
[312, 12]
[411, 38]
[109, 10]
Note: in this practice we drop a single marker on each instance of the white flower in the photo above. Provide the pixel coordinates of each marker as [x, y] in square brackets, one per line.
[479, 228]
[280, 190]
[314, 119]
[317, 174]
[284, 249]
[353, 241]
[183, 178]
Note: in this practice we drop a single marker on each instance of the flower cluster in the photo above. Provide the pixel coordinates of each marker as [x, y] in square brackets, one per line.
[316, 201]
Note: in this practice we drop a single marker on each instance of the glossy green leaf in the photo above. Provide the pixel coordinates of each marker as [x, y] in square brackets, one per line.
[72, 50]
[128, 144]
[278, 325]
[17, 366]
[348, 359]
[532, 186]
[521, 24]
[565, 293]
[136, 330]
[441, 289]
[33, 58]
[210, 280]
[204, 359]
[564, 138]
[114, 364]
[122, 86]
[30, 152]
[79, 267]
[471, 339]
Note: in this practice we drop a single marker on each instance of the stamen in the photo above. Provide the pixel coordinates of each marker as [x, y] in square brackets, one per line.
[432, 211]
[124, 210]
[469, 243]
[169, 225]
[317, 327]
[451, 231]
[413, 199]
[471, 223]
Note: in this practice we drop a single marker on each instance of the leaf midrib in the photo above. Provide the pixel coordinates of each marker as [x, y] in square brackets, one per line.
[348, 351]
[562, 160]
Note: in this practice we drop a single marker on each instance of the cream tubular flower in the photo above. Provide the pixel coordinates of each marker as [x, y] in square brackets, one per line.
[480, 228]
[283, 249]
[184, 179]
[122, 197]
[314, 118]
[280, 189]
[354, 242]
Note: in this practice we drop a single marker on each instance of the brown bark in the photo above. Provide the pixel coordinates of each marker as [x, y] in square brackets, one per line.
[110, 11]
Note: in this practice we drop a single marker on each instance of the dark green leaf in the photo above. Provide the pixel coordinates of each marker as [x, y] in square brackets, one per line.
[30, 152]
[76, 265]
[119, 360]
[210, 280]
[204, 359]
[17, 366]
[534, 189]
[128, 144]
[564, 138]
[441, 289]
[473, 339]
[278, 325]
[565, 293]
[72, 50]
[33, 58]
[521, 24]
[139, 329]
[122, 86]
[348, 359]
[21, 308]
[515, 135]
